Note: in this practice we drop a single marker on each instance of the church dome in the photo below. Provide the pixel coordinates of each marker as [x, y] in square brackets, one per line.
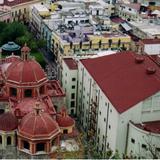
[8, 122]
[38, 124]
[64, 120]
[24, 72]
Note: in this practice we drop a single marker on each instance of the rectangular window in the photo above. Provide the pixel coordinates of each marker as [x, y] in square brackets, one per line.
[28, 93]
[132, 140]
[144, 146]
[72, 96]
[73, 87]
[158, 149]
[13, 92]
[65, 131]
[98, 130]
[98, 140]
[73, 79]
[72, 103]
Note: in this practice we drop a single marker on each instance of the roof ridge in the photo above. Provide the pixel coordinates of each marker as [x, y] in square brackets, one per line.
[44, 120]
[33, 70]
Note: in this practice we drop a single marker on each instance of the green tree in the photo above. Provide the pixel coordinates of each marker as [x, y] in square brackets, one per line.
[41, 43]
[12, 31]
[116, 155]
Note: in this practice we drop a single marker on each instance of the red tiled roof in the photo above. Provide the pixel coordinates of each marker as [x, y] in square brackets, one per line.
[71, 63]
[123, 81]
[36, 126]
[24, 72]
[153, 126]
[54, 89]
[14, 2]
[8, 122]
[63, 119]
[117, 20]
[26, 106]
[151, 41]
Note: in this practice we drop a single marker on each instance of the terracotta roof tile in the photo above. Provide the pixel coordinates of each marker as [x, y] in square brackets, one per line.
[153, 126]
[123, 81]
[151, 41]
[71, 63]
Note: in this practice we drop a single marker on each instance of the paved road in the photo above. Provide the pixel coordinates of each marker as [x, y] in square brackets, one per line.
[51, 67]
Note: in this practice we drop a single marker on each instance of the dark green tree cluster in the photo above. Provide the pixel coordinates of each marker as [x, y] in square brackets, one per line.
[19, 33]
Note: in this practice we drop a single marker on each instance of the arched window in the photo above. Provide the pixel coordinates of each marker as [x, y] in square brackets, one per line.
[40, 147]
[28, 93]
[1, 111]
[13, 92]
[56, 107]
[8, 140]
[26, 145]
[65, 131]
[41, 90]
[0, 139]
[53, 142]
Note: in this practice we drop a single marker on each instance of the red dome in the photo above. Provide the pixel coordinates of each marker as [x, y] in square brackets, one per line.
[12, 58]
[24, 72]
[8, 122]
[39, 125]
[66, 121]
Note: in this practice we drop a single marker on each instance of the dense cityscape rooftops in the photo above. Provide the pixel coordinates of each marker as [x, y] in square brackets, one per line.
[96, 96]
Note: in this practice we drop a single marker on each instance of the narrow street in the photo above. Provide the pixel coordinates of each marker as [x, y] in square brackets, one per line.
[51, 68]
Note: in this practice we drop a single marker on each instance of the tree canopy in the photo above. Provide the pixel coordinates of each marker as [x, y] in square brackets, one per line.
[18, 33]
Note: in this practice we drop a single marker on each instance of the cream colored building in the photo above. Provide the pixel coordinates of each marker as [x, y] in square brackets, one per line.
[110, 97]
[20, 11]
[69, 83]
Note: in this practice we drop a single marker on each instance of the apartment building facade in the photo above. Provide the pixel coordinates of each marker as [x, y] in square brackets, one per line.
[114, 107]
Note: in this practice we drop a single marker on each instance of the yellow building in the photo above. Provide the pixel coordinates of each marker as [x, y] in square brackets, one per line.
[61, 47]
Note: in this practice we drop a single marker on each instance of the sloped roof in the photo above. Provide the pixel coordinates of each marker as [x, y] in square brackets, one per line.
[71, 63]
[124, 81]
[151, 41]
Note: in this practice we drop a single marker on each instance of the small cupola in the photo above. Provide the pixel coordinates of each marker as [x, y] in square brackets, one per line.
[150, 70]
[139, 59]
[25, 52]
[63, 112]
[37, 108]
